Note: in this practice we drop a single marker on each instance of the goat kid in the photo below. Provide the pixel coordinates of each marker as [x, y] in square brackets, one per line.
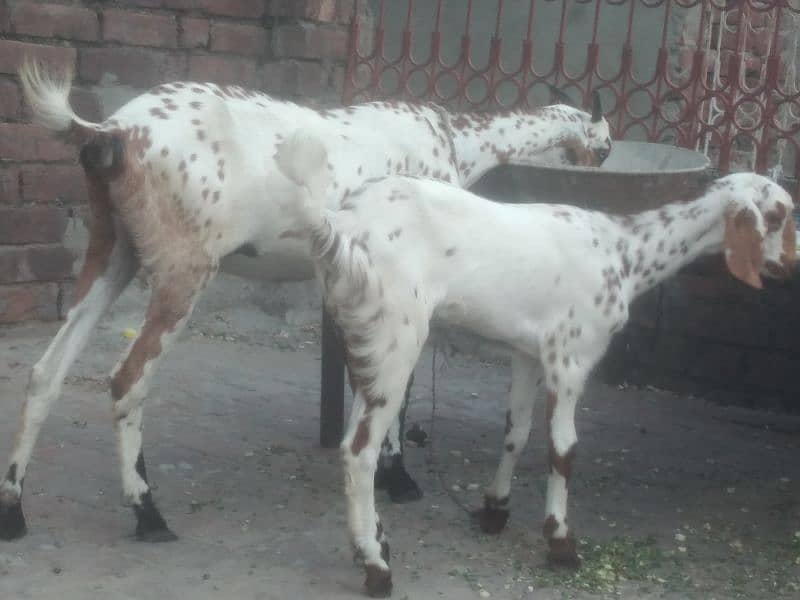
[184, 174]
[552, 282]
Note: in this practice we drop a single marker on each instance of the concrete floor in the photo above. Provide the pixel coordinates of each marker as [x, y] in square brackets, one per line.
[672, 497]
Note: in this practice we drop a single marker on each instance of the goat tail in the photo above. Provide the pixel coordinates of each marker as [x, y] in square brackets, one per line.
[303, 159]
[47, 94]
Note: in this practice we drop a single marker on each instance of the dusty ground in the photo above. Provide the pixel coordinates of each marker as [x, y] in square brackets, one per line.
[672, 498]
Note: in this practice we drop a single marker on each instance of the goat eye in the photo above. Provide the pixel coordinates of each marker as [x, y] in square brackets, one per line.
[602, 153]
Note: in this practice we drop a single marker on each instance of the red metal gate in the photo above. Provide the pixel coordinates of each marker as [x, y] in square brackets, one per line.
[716, 75]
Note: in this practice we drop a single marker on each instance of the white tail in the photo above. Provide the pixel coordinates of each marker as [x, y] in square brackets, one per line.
[304, 160]
[48, 96]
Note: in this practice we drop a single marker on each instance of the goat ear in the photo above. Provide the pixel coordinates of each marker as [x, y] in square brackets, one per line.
[560, 96]
[789, 242]
[743, 253]
[597, 107]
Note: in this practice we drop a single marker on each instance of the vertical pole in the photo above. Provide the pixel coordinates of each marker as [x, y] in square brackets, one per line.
[331, 405]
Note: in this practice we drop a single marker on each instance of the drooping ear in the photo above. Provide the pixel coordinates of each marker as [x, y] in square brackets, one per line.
[560, 96]
[743, 253]
[789, 251]
[597, 107]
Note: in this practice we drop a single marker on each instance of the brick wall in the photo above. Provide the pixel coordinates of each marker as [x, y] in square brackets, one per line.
[289, 48]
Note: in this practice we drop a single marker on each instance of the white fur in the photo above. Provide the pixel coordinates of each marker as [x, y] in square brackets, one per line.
[552, 282]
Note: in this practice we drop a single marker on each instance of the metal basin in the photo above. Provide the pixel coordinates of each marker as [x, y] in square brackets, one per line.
[636, 176]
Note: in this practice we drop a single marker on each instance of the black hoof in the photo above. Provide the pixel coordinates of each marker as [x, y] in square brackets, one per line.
[396, 480]
[12, 522]
[563, 555]
[492, 520]
[150, 525]
[378, 583]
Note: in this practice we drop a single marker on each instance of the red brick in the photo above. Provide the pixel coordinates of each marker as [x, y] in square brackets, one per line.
[305, 40]
[10, 100]
[54, 21]
[224, 70]
[324, 11]
[32, 225]
[9, 185]
[194, 32]
[48, 184]
[22, 141]
[23, 302]
[20, 264]
[12, 53]
[136, 67]
[137, 29]
[238, 39]
[296, 78]
[247, 9]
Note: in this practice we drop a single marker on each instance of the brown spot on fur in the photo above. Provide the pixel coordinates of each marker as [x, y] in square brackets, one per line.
[577, 153]
[361, 438]
[195, 104]
[450, 251]
[201, 135]
[550, 526]
[101, 237]
[561, 464]
[167, 307]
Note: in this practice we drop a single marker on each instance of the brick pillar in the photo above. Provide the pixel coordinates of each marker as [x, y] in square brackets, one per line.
[289, 48]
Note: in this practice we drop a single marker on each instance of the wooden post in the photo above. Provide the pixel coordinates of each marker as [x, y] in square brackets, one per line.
[331, 404]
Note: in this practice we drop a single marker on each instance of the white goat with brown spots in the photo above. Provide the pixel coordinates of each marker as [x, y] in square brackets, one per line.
[552, 282]
[183, 175]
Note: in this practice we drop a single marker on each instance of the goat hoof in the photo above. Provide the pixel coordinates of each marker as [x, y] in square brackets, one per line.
[150, 525]
[406, 493]
[492, 520]
[12, 521]
[378, 582]
[563, 554]
[396, 480]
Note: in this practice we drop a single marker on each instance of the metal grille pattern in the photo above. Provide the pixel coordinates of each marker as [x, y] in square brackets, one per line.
[716, 75]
